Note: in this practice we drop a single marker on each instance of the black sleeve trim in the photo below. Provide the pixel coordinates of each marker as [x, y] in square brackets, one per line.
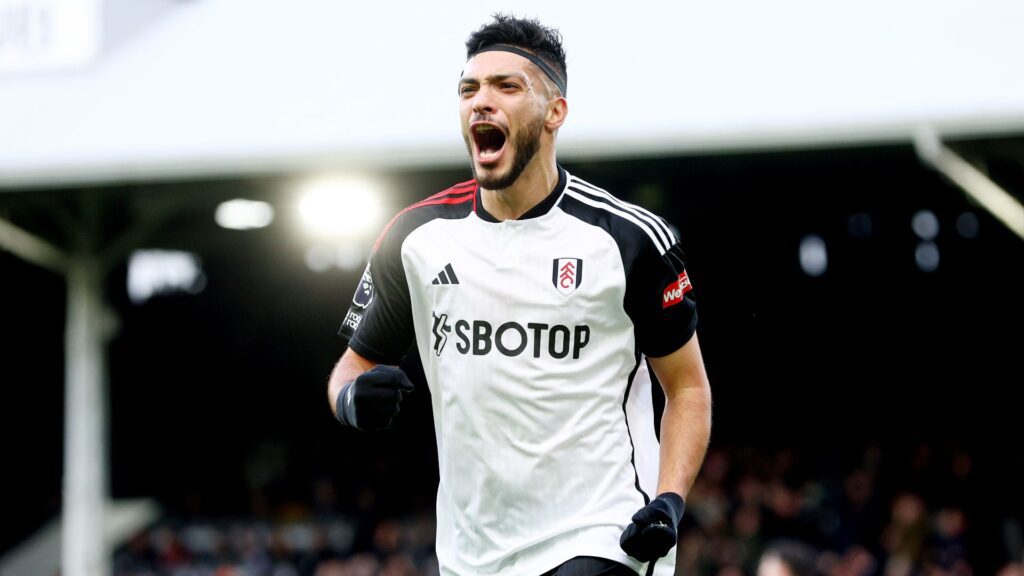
[371, 354]
[676, 343]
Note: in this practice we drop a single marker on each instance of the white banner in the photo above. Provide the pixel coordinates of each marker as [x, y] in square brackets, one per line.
[41, 35]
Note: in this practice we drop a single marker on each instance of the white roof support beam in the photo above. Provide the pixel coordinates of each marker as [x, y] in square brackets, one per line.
[1000, 203]
[31, 248]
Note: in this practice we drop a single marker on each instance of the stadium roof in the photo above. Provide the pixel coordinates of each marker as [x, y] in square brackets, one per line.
[166, 89]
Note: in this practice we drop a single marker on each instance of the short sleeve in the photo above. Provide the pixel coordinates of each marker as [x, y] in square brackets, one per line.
[378, 324]
[660, 301]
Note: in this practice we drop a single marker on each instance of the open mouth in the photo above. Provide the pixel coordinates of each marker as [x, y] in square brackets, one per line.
[490, 141]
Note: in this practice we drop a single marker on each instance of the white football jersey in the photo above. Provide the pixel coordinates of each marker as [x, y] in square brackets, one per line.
[532, 334]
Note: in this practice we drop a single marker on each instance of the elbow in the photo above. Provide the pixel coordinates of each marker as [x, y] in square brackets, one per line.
[335, 382]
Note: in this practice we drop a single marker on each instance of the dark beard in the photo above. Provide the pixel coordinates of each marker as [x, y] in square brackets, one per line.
[524, 147]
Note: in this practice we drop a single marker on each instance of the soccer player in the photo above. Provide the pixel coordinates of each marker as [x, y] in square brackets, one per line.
[537, 301]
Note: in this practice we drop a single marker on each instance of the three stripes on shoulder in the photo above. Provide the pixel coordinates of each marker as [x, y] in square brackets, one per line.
[652, 225]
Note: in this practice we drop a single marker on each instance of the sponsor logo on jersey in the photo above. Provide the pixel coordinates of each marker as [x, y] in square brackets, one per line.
[352, 319]
[480, 338]
[675, 291]
[567, 274]
[446, 276]
[441, 329]
[364, 293]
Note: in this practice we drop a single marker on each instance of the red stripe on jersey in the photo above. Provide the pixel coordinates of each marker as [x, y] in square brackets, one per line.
[460, 188]
[446, 197]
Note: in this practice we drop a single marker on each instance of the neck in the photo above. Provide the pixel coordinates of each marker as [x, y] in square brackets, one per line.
[532, 186]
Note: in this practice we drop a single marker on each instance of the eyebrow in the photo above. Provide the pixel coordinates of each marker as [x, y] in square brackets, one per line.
[493, 78]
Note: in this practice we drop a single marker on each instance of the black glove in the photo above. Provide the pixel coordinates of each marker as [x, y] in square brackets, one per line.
[371, 400]
[653, 531]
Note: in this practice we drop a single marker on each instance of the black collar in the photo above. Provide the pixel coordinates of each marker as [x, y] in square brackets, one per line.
[540, 209]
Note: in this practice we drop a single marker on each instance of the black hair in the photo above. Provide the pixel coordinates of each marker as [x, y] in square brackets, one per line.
[528, 34]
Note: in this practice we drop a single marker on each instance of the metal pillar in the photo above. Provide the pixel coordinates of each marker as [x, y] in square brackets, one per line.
[85, 548]
[84, 551]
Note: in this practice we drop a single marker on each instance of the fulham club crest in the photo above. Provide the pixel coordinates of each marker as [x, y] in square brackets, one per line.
[567, 274]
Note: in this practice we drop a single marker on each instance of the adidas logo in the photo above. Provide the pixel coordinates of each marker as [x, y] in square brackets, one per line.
[446, 276]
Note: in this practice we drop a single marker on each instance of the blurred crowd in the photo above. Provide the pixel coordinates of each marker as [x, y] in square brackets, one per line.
[862, 512]
[859, 513]
[320, 547]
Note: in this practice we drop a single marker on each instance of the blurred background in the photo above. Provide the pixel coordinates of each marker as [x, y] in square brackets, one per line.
[189, 191]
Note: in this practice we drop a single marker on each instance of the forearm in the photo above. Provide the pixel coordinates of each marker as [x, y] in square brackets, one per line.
[349, 366]
[685, 432]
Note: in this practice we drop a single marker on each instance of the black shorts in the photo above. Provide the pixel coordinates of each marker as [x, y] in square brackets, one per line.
[591, 566]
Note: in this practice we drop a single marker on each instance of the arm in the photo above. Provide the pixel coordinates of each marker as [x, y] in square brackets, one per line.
[366, 395]
[365, 387]
[685, 430]
[686, 423]
[348, 368]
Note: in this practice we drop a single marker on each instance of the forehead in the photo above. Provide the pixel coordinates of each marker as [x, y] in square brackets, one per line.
[491, 63]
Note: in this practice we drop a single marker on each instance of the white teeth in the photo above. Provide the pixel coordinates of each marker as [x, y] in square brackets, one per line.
[483, 128]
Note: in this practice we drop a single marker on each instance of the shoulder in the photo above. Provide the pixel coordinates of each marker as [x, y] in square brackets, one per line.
[454, 202]
[627, 223]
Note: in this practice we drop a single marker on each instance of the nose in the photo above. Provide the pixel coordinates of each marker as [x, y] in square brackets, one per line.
[483, 101]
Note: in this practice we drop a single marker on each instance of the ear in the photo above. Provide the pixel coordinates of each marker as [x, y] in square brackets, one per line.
[558, 109]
